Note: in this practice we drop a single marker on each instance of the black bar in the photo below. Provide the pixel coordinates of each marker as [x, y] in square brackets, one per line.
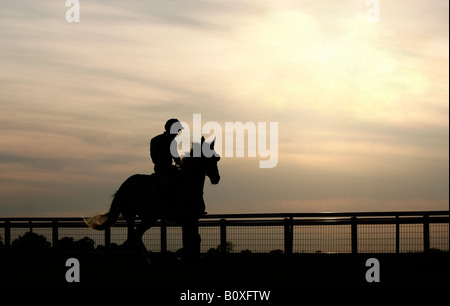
[397, 234]
[107, 238]
[223, 235]
[354, 223]
[288, 235]
[163, 236]
[55, 237]
[426, 233]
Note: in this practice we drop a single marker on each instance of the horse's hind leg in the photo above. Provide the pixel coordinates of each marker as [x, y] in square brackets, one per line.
[139, 232]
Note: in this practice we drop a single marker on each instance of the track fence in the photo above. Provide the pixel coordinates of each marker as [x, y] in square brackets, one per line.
[353, 232]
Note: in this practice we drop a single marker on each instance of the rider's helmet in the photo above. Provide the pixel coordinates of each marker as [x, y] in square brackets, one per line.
[169, 126]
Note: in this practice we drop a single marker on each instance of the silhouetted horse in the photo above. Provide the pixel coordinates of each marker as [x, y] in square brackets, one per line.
[138, 196]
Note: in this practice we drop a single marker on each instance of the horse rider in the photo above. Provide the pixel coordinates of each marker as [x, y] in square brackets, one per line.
[163, 158]
[165, 169]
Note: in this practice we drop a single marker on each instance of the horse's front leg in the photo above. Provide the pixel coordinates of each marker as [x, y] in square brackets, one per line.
[191, 239]
[144, 226]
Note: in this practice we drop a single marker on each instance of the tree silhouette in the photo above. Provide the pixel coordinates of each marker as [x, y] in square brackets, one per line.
[31, 242]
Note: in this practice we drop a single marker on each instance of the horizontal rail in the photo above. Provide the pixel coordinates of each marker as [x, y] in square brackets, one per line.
[327, 214]
[248, 222]
[261, 216]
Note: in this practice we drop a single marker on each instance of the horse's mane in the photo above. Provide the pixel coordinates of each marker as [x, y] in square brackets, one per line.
[185, 157]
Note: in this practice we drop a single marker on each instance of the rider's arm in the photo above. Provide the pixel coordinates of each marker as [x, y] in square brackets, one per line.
[153, 150]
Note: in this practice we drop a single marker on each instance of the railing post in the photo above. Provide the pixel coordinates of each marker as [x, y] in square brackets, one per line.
[426, 233]
[288, 235]
[163, 236]
[7, 233]
[397, 234]
[354, 234]
[107, 238]
[223, 235]
[55, 237]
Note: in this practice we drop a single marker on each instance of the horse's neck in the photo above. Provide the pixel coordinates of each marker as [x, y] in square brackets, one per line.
[194, 177]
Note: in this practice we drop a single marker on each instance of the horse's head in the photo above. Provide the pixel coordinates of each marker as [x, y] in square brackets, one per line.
[210, 163]
[205, 163]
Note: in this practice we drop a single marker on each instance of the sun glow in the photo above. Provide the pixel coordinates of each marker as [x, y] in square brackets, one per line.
[290, 61]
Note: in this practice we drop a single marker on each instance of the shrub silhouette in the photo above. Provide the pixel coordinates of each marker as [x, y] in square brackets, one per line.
[85, 244]
[65, 244]
[229, 248]
[31, 242]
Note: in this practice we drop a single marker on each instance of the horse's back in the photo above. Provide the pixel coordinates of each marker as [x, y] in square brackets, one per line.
[137, 181]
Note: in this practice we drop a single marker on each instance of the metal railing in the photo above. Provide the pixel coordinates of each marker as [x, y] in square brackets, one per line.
[352, 232]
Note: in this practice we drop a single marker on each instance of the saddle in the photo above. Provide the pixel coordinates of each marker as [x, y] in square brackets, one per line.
[173, 201]
[167, 196]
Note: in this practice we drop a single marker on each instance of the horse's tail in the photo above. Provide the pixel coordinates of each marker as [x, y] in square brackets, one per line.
[103, 221]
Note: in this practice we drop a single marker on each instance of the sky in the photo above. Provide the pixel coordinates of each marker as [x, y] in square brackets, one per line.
[362, 107]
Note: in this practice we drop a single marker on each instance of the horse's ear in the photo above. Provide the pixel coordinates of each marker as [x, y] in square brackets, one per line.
[203, 139]
[212, 144]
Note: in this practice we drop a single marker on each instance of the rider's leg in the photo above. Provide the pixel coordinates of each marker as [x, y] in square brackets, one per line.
[166, 194]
